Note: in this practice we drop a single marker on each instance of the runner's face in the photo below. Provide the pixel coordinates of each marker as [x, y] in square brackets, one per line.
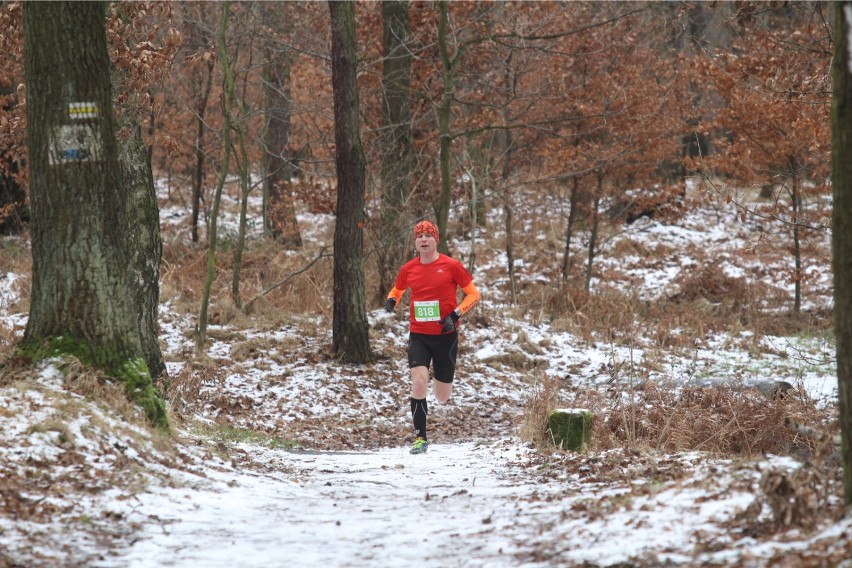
[425, 243]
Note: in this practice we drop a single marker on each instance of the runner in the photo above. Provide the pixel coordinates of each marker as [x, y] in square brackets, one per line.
[433, 332]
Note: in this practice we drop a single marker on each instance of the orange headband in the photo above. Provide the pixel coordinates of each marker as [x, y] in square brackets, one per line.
[426, 227]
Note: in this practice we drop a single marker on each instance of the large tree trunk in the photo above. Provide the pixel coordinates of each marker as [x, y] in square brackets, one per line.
[142, 239]
[95, 256]
[395, 141]
[279, 211]
[350, 330]
[841, 177]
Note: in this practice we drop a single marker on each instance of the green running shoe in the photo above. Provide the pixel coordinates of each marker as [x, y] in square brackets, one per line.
[420, 446]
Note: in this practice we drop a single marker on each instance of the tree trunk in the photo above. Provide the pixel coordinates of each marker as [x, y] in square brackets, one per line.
[508, 192]
[569, 230]
[279, 211]
[144, 242]
[841, 177]
[474, 225]
[796, 199]
[95, 255]
[244, 165]
[395, 142]
[508, 209]
[200, 152]
[350, 330]
[481, 160]
[444, 115]
[593, 236]
[201, 326]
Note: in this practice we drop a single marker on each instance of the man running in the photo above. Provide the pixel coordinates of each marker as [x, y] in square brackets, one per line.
[434, 279]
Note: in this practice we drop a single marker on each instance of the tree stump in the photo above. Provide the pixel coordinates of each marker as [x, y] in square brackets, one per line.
[570, 428]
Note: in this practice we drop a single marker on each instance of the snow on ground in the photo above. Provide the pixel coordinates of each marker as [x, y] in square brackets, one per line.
[464, 504]
[80, 488]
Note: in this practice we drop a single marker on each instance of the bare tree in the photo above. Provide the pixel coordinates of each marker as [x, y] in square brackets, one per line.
[203, 96]
[395, 140]
[200, 79]
[350, 330]
[279, 210]
[201, 326]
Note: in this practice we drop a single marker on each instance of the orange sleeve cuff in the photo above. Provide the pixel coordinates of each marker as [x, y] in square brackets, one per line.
[470, 298]
[396, 294]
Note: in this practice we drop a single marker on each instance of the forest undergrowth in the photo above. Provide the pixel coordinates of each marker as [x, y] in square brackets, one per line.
[720, 421]
[643, 414]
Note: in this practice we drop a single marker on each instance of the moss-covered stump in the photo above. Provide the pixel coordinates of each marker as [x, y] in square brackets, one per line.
[570, 428]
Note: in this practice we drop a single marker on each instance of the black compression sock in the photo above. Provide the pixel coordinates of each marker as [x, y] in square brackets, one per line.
[419, 410]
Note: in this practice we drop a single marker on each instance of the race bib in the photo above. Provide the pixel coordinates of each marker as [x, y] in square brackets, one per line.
[427, 311]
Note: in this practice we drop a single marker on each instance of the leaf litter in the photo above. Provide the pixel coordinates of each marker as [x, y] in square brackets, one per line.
[284, 456]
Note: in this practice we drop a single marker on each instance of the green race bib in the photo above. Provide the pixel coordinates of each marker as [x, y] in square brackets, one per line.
[427, 311]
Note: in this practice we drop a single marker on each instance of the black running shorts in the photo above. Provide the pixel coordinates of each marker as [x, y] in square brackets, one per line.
[440, 350]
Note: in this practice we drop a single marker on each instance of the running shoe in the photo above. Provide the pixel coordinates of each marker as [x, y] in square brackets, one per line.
[420, 446]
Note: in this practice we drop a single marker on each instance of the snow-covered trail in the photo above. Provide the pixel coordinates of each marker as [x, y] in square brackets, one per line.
[456, 505]
[470, 504]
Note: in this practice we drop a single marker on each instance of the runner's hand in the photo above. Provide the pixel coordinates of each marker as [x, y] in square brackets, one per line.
[390, 304]
[449, 322]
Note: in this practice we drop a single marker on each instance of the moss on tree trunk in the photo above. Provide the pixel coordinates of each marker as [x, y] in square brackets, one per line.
[134, 372]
